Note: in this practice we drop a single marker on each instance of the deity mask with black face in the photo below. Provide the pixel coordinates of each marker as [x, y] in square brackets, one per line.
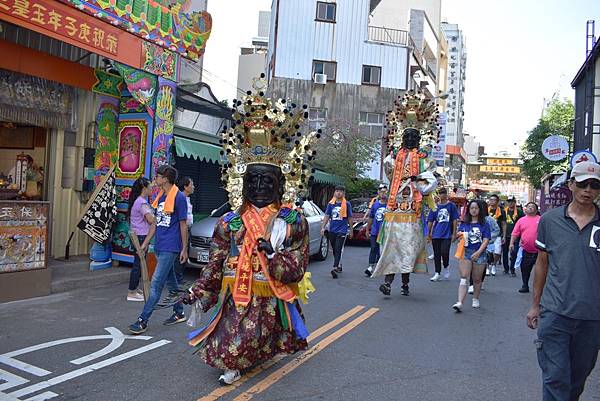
[263, 185]
[411, 138]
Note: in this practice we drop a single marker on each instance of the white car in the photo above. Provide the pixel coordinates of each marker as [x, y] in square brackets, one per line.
[202, 231]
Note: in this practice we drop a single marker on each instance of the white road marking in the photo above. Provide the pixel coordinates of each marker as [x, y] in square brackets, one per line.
[10, 380]
[7, 358]
[117, 340]
[87, 369]
[42, 397]
[6, 397]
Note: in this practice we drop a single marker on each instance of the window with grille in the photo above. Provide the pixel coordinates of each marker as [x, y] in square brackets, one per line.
[325, 67]
[317, 118]
[326, 11]
[371, 75]
[371, 125]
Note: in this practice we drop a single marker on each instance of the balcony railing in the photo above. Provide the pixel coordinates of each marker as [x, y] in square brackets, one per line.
[388, 35]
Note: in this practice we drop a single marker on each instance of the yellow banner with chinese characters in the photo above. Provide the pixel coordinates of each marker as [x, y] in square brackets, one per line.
[500, 169]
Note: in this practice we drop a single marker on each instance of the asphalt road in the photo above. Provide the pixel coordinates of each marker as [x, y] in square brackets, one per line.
[379, 348]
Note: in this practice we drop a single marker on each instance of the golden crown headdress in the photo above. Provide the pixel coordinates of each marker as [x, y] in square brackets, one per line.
[413, 110]
[267, 132]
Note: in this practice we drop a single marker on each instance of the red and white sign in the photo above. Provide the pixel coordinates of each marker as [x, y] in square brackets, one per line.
[555, 148]
[583, 156]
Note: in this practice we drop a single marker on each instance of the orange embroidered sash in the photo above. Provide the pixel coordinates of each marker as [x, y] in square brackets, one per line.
[399, 176]
[256, 227]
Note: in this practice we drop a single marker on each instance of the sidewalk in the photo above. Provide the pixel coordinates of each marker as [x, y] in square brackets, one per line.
[75, 273]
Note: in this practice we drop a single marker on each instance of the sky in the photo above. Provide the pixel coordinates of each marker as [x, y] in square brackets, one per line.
[520, 53]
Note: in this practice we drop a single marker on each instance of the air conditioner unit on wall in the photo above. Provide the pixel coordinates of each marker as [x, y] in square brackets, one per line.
[320, 79]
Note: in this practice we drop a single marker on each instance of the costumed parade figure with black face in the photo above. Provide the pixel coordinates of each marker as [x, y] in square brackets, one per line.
[412, 126]
[259, 253]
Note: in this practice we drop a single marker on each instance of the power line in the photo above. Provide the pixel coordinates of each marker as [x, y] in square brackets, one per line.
[212, 77]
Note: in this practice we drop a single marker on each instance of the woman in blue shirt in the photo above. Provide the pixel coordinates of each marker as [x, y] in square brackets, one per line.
[476, 235]
[339, 216]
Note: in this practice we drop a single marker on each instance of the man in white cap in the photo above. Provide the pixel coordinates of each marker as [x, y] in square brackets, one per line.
[566, 295]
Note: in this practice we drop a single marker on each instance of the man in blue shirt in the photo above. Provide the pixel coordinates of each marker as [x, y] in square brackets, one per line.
[441, 226]
[339, 216]
[375, 215]
[171, 242]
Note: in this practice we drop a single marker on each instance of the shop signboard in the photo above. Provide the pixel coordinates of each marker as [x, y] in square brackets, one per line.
[23, 235]
[554, 198]
[169, 24]
[500, 169]
[555, 148]
[439, 149]
[67, 24]
[583, 156]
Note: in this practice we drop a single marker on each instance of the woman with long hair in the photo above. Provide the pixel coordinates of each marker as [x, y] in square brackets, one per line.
[141, 220]
[476, 235]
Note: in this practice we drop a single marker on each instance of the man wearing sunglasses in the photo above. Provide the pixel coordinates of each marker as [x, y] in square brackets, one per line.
[566, 294]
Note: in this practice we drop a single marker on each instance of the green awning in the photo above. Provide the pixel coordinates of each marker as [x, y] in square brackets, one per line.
[197, 150]
[326, 178]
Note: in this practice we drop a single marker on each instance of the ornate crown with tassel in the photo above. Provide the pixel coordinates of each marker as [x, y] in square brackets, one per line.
[413, 110]
[267, 132]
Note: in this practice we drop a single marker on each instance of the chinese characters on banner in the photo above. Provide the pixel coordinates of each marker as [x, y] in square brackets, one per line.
[500, 169]
[23, 236]
[498, 162]
[55, 17]
[554, 199]
[439, 149]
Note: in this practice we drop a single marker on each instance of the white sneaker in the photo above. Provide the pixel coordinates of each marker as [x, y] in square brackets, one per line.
[493, 270]
[446, 273]
[475, 303]
[436, 277]
[229, 377]
[487, 271]
[457, 307]
[135, 296]
[430, 257]
[470, 289]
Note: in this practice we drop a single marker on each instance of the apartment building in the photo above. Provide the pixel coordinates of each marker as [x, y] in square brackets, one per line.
[350, 60]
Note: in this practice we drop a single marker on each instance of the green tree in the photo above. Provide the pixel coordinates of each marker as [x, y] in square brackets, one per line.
[361, 188]
[344, 151]
[557, 119]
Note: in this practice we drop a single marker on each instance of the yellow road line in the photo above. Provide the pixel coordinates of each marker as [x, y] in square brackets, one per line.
[334, 322]
[290, 366]
[221, 391]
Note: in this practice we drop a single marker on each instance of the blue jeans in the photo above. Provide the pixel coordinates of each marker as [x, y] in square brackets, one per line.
[481, 260]
[375, 254]
[163, 274]
[567, 350]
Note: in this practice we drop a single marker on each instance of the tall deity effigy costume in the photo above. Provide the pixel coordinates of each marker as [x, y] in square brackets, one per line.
[412, 128]
[259, 253]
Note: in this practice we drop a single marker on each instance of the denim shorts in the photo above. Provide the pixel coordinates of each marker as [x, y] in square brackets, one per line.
[482, 260]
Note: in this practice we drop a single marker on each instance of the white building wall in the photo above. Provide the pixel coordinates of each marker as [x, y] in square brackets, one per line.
[250, 66]
[395, 14]
[301, 39]
[471, 147]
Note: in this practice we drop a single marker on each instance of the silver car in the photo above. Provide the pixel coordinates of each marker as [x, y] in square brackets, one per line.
[202, 231]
